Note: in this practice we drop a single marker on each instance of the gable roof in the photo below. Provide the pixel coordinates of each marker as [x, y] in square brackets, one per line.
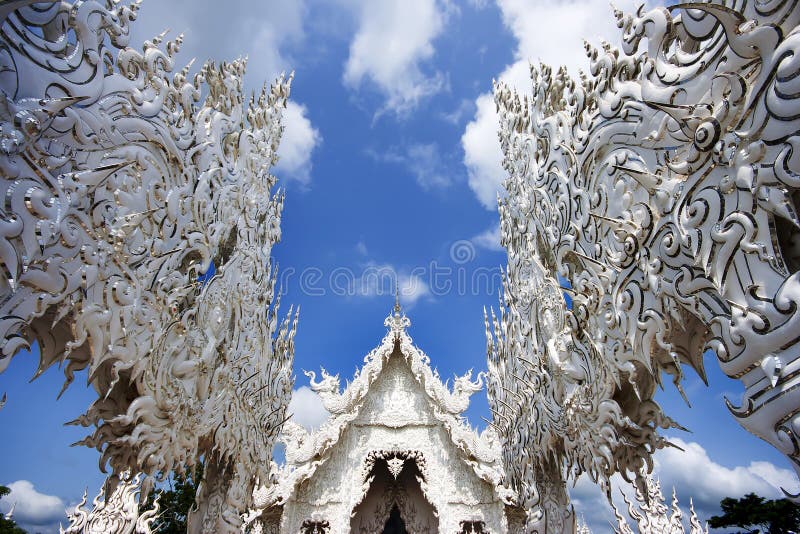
[306, 451]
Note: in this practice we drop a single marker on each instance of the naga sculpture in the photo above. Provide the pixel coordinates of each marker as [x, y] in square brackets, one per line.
[658, 192]
[122, 195]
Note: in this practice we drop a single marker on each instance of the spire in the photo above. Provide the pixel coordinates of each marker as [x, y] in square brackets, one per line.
[397, 308]
[397, 321]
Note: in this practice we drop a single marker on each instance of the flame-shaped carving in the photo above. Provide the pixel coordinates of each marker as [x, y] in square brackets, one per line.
[651, 514]
[120, 192]
[117, 512]
[660, 190]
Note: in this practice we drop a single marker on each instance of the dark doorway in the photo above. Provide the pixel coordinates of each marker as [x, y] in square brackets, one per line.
[395, 523]
[394, 505]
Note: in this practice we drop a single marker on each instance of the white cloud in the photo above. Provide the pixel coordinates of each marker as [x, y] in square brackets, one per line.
[423, 160]
[32, 507]
[454, 117]
[412, 288]
[361, 248]
[489, 238]
[776, 476]
[553, 31]
[297, 144]
[591, 505]
[482, 155]
[694, 475]
[379, 280]
[264, 31]
[307, 409]
[681, 469]
[548, 30]
[393, 40]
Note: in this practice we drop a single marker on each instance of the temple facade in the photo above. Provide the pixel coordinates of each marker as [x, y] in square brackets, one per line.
[396, 455]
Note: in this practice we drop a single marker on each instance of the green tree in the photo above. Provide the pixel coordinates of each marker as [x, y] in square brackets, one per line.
[753, 514]
[174, 503]
[8, 526]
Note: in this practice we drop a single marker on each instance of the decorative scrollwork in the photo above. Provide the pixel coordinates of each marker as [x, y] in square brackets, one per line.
[473, 527]
[660, 193]
[393, 441]
[399, 458]
[315, 525]
[117, 513]
[653, 516]
[120, 194]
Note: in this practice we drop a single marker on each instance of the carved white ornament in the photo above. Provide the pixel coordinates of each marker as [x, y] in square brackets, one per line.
[663, 187]
[10, 513]
[119, 190]
[119, 513]
[652, 516]
[395, 415]
[395, 466]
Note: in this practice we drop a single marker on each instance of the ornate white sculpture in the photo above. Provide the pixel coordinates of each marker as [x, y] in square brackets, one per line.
[653, 516]
[119, 192]
[10, 513]
[581, 527]
[119, 513]
[663, 189]
[395, 438]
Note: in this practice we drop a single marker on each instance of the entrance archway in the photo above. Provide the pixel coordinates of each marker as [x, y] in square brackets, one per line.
[394, 503]
[395, 523]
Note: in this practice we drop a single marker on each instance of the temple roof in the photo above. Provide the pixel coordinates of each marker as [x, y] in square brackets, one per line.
[306, 451]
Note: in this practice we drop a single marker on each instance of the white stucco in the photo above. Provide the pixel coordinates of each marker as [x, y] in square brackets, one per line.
[395, 415]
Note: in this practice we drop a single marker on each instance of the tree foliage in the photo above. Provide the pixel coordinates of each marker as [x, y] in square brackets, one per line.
[8, 526]
[753, 514]
[175, 502]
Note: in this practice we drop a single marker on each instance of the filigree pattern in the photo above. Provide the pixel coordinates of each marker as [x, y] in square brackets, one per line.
[660, 190]
[118, 513]
[315, 525]
[453, 402]
[653, 516]
[302, 446]
[120, 193]
[393, 441]
[473, 527]
[396, 458]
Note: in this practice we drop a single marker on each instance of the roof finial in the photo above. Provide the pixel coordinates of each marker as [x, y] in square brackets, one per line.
[397, 321]
[397, 297]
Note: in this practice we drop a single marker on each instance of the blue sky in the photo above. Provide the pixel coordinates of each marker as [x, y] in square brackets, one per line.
[391, 166]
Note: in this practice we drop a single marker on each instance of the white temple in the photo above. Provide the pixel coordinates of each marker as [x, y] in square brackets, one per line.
[661, 187]
[396, 455]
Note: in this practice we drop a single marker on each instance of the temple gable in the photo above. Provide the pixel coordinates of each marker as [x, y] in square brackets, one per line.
[395, 399]
[395, 456]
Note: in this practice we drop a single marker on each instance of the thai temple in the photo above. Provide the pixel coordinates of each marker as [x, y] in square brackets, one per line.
[650, 214]
[395, 456]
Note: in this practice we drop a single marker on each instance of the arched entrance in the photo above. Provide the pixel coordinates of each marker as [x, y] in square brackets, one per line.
[395, 523]
[394, 502]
